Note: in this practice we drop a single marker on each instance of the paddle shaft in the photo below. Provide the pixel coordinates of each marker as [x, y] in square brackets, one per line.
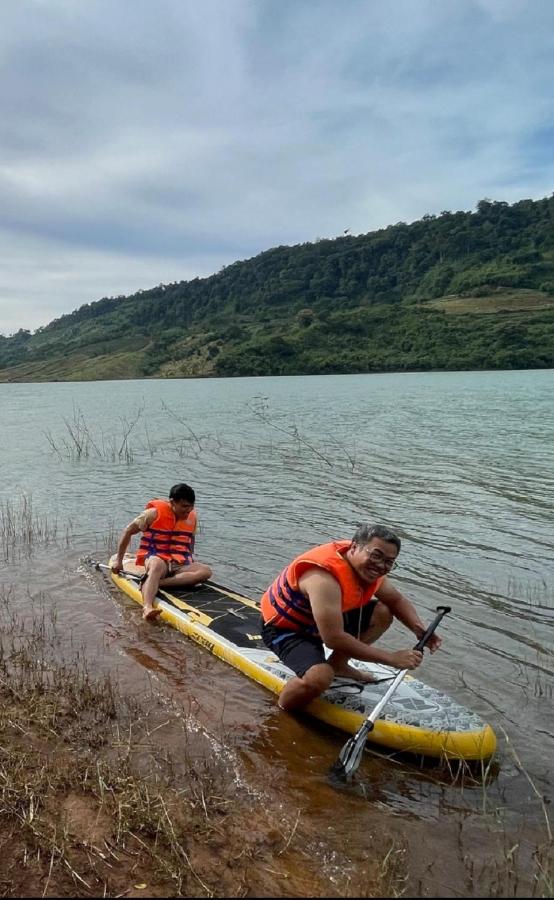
[369, 723]
[135, 577]
[351, 753]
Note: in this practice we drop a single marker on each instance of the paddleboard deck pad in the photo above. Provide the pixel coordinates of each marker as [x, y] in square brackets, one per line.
[417, 719]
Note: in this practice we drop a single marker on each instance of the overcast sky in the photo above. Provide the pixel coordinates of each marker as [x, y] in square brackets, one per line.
[150, 141]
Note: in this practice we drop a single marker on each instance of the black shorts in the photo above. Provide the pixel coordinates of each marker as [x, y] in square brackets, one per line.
[300, 651]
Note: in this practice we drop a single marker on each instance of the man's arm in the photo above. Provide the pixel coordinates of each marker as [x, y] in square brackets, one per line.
[403, 610]
[324, 594]
[141, 523]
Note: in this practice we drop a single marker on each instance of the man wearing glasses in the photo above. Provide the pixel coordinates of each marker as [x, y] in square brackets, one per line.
[337, 594]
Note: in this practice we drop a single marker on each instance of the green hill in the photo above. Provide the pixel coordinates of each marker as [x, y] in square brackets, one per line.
[459, 290]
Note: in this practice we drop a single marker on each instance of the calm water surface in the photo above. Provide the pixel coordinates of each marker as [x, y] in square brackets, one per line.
[461, 464]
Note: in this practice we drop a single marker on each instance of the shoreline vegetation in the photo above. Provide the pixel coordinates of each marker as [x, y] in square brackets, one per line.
[94, 803]
[458, 291]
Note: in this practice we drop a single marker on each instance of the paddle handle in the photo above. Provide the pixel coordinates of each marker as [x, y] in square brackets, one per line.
[441, 611]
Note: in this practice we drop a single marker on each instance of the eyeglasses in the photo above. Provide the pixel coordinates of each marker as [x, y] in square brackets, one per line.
[380, 559]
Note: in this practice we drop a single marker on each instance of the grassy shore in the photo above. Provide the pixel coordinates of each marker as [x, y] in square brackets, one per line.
[94, 804]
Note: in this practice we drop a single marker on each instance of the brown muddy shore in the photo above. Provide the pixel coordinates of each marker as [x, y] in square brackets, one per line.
[110, 792]
[94, 805]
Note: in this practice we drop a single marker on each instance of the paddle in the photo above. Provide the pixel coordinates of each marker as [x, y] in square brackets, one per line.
[99, 565]
[132, 576]
[350, 756]
[198, 616]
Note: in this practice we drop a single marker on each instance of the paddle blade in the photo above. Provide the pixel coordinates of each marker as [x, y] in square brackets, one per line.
[349, 757]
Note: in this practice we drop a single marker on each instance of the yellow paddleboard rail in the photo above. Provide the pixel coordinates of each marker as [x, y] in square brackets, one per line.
[468, 745]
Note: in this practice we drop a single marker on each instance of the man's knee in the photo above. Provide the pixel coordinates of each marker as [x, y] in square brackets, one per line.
[156, 566]
[382, 617]
[204, 572]
[319, 677]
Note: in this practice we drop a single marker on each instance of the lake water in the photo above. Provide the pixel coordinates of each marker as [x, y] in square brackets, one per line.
[460, 464]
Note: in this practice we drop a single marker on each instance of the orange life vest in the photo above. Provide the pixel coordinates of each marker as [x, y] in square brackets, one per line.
[285, 606]
[168, 537]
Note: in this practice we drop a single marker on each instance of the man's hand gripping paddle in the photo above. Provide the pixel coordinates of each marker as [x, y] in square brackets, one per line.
[351, 754]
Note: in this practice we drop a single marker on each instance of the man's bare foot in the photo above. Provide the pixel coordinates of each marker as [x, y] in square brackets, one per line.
[150, 614]
[347, 671]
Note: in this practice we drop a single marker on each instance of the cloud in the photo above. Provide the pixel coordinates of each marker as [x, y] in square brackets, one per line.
[48, 278]
[161, 141]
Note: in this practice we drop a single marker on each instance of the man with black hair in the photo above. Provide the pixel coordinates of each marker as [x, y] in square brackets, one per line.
[338, 594]
[166, 546]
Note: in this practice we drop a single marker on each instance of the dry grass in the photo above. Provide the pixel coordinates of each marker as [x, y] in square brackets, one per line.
[21, 527]
[79, 442]
[515, 866]
[93, 803]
